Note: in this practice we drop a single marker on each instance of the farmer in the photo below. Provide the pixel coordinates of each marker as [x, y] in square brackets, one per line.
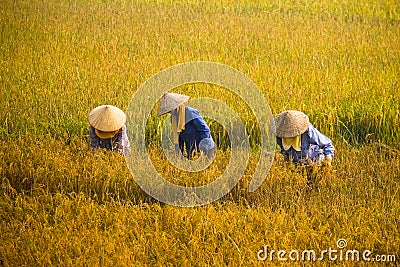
[108, 130]
[299, 140]
[188, 126]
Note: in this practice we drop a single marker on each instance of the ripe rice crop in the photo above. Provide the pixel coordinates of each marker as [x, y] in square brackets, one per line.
[61, 204]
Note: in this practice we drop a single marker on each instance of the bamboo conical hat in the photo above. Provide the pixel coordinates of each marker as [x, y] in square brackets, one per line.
[170, 101]
[290, 123]
[107, 118]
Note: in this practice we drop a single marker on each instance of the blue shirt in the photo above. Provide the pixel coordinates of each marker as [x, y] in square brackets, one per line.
[118, 143]
[196, 130]
[313, 144]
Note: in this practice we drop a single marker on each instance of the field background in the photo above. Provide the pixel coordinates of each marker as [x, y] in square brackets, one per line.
[337, 61]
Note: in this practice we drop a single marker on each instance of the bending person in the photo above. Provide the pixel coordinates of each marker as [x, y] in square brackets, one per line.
[299, 140]
[189, 130]
[108, 130]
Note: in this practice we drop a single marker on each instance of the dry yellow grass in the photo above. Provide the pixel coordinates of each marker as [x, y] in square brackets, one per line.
[60, 204]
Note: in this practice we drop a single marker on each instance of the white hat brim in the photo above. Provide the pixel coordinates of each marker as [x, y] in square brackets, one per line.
[171, 101]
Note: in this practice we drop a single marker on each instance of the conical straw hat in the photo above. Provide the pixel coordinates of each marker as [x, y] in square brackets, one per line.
[107, 118]
[170, 101]
[290, 123]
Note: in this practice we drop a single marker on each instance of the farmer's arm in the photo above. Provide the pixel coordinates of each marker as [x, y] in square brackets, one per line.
[94, 139]
[126, 146]
[317, 138]
[202, 128]
[283, 151]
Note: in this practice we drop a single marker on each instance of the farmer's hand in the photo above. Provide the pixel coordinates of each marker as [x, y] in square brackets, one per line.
[286, 158]
[328, 159]
[177, 149]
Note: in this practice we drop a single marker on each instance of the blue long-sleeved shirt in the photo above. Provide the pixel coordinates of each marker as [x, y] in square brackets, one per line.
[196, 130]
[118, 143]
[313, 143]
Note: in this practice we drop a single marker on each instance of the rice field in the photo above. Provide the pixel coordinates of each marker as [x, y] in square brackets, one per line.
[61, 204]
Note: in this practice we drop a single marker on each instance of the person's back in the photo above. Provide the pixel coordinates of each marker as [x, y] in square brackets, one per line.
[195, 131]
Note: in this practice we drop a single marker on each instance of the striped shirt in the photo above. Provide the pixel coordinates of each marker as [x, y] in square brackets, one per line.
[118, 143]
